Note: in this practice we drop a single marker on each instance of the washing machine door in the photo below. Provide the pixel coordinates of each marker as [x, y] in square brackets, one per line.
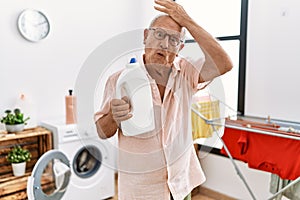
[50, 177]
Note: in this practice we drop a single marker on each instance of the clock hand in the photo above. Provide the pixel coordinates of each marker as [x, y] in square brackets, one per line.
[38, 24]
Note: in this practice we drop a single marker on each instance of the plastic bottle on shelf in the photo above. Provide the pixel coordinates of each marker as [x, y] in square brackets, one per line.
[134, 83]
[71, 111]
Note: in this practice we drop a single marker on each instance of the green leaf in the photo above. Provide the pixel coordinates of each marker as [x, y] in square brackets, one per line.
[8, 111]
[17, 117]
[17, 111]
[18, 154]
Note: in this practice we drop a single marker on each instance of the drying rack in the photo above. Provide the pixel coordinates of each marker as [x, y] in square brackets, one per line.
[213, 123]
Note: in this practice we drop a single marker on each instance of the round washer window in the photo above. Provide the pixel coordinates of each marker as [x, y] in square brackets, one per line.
[87, 161]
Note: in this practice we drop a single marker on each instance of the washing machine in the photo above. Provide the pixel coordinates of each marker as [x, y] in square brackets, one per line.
[82, 166]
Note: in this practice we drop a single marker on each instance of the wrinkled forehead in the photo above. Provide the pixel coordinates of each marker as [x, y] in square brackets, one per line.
[167, 23]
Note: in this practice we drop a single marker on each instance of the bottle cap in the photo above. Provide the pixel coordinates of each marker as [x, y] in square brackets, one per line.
[132, 60]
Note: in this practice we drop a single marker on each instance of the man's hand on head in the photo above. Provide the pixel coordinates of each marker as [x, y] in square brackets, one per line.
[174, 10]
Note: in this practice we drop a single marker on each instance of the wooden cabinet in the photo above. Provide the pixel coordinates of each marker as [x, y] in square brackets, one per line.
[37, 141]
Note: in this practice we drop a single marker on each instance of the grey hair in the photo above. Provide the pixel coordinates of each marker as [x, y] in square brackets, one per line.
[183, 29]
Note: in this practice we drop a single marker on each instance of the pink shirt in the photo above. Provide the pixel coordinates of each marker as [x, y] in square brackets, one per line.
[153, 164]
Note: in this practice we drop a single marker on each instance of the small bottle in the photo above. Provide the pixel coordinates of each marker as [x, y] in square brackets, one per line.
[71, 111]
[134, 83]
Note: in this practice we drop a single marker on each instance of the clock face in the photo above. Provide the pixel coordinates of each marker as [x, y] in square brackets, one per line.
[33, 25]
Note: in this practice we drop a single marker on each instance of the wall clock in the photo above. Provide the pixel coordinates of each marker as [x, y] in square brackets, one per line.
[33, 25]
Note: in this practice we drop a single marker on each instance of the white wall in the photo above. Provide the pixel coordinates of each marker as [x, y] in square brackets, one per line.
[222, 177]
[272, 75]
[44, 71]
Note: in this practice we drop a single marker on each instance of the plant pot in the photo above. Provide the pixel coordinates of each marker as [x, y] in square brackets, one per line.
[14, 128]
[18, 168]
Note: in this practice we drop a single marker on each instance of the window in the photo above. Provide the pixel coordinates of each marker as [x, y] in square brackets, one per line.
[226, 20]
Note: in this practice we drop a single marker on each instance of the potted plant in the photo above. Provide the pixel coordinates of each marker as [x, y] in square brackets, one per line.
[14, 121]
[18, 158]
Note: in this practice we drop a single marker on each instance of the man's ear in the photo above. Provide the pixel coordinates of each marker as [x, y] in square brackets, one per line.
[146, 32]
[181, 47]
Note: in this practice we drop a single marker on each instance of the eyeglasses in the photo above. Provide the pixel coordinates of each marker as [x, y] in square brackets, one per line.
[161, 34]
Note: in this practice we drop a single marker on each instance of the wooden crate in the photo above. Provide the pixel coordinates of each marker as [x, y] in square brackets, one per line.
[37, 141]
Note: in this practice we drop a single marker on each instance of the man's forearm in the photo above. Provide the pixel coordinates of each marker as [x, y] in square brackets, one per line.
[217, 60]
[106, 126]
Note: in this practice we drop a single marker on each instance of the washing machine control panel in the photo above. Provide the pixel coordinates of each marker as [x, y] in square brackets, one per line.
[68, 133]
[61, 132]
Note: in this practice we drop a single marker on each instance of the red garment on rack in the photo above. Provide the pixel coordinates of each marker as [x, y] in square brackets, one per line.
[273, 154]
[236, 142]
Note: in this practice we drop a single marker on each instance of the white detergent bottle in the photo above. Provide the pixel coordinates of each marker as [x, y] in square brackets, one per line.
[134, 83]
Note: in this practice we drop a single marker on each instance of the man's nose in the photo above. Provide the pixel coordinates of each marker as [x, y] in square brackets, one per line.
[164, 43]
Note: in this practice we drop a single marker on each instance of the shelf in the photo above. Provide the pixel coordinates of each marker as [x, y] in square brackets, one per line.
[37, 140]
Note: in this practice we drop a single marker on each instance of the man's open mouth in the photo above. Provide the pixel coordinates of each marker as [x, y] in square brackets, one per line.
[161, 54]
